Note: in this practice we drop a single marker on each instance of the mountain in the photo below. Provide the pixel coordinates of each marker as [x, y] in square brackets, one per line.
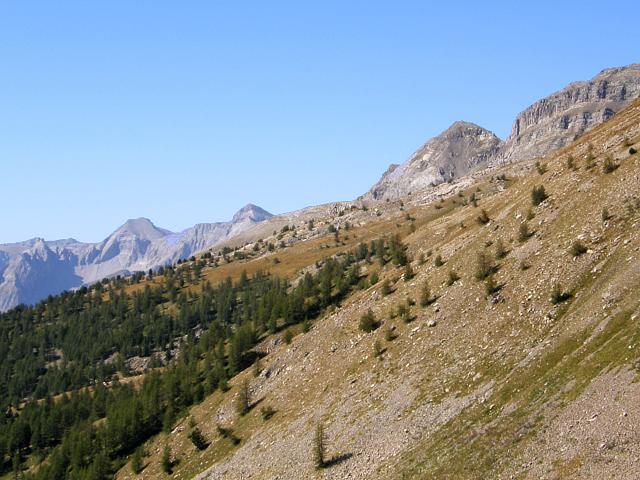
[34, 269]
[545, 126]
[560, 118]
[460, 149]
[486, 379]
[433, 338]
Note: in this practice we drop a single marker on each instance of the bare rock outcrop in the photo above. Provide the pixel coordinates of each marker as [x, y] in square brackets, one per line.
[457, 151]
[545, 126]
[560, 118]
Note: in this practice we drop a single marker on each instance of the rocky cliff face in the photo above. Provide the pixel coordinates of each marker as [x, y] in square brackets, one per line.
[547, 125]
[34, 269]
[460, 149]
[560, 118]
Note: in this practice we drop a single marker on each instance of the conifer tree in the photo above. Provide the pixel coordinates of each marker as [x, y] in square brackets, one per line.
[319, 447]
[165, 461]
[243, 402]
[425, 295]
[197, 438]
[137, 461]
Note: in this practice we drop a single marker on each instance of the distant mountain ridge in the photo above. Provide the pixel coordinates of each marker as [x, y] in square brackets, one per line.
[33, 269]
[546, 125]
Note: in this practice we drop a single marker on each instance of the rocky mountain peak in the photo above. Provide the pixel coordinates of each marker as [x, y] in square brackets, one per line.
[39, 249]
[252, 213]
[560, 118]
[141, 228]
[543, 127]
[460, 149]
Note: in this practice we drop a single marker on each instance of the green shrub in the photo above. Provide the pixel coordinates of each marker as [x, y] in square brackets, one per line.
[577, 248]
[368, 322]
[243, 402]
[501, 251]
[408, 272]
[198, 440]
[404, 313]
[386, 288]
[609, 165]
[226, 432]
[523, 232]
[287, 336]
[165, 461]
[137, 461]
[319, 447]
[530, 214]
[389, 336]
[538, 195]
[484, 266]
[490, 285]
[377, 348]
[558, 295]
[438, 262]
[306, 325]
[483, 218]
[267, 412]
[541, 168]
[452, 277]
[425, 295]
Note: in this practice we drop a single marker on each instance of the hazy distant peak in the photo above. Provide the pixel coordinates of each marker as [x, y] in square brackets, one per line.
[142, 228]
[252, 213]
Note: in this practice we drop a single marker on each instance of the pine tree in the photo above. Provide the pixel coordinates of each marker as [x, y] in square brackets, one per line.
[368, 322]
[137, 461]
[501, 251]
[490, 285]
[386, 288]
[484, 266]
[319, 447]
[408, 272]
[452, 278]
[243, 402]
[425, 295]
[165, 461]
[523, 232]
[538, 195]
[483, 218]
[198, 440]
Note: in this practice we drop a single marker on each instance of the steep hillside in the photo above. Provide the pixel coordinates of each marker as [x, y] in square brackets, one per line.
[519, 361]
[545, 126]
[32, 270]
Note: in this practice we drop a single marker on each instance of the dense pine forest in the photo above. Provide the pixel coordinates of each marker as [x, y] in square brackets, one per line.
[68, 409]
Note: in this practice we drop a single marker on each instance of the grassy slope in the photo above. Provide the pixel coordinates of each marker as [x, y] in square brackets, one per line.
[466, 398]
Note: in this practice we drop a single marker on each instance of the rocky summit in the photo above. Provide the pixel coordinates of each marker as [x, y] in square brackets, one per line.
[457, 151]
[545, 126]
[560, 118]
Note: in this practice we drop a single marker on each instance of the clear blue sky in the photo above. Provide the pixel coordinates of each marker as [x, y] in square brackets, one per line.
[184, 111]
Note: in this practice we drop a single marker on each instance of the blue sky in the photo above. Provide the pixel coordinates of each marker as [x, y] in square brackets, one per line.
[184, 111]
